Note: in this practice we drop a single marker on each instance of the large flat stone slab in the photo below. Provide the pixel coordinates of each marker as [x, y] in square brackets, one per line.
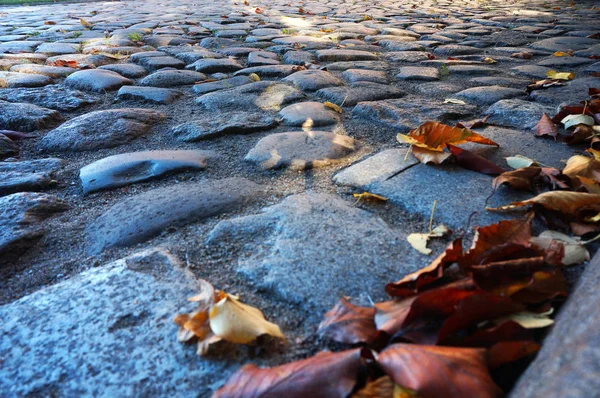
[263, 95]
[101, 129]
[145, 215]
[359, 92]
[128, 168]
[305, 248]
[102, 335]
[568, 364]
[224, 123]
[97, 80]
[55, 97]
[20, 116]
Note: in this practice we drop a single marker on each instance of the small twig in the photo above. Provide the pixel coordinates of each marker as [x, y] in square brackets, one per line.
[431, 218]
[407, 152]
[591, 240]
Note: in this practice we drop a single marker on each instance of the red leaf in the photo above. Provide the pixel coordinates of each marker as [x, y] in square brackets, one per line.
[506, 331]
[546, 127]
[326, 375]
[471, 161]
[390, 315]
[435, 372]
[505, 352]
[413, 283]
[350, 324]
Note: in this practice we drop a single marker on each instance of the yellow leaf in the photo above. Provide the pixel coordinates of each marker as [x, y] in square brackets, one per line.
[369, 196]
[552, 74]
[561, 54]
[333, 106]
[419, 241]
[234, 321]
[254, 77]
[582, 166]
[489, 60]
[85, 23]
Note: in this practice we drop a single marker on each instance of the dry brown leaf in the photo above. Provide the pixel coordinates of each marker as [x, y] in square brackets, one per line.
[369, 196]
[434, 136]
[348, 323]
[426, 156]
[546, 127]
[583, 166]
[521, 179]
[568, 203]
[333, 106]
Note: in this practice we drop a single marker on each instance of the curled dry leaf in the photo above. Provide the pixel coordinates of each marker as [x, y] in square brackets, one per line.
[426, 156]
[369, 196]
[518, 161]
[583, 166]
[529, 320]
[546, 127]
[552, 74]
[471, 161]
[415, 282]
[459, 372]
[434, 136]
[473, 124]
[574, 252]
[505, 352]
[575, 120]
[562, 54]
[419, 241]
[348, 323]
[326, 375]
[85, 23]
[567, 203]
[543, 84]
[522, 54]
[454, 101]
[521, 179]
[581, 134]
[333, 106]
[220, 316]
[254, 77]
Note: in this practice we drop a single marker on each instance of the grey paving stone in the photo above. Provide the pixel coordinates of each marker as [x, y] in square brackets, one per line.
[172, 78]
[564, 43]
[97, 80]
[128, 168]
[8, 148]
[269, 71]
[224, 123]
[313, 80]
[516, 113]
[455, 49]
[336, 55]
[224, 65]
[409, 113]
[305, 247]
[132, 326]
[211, 86]
[533, 71]
[487, 95]
[362, 75]
[29, 175]
[418, 73]
[148, 94]
[26, 117]
[130, 71]
[21, 220]
[50, 71]
[101, 129]
[376, 168]
[571, 93]
[140, 217]
[358, 92]
[300, 150]
[263, 95]
[55, 97]
[564, 62]
[14, 79]
[308, 114]
[298, 57]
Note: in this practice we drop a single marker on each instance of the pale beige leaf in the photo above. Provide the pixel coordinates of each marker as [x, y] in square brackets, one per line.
[573, 120]
[528, 320]
[574, 251]
[419, 242]
[240, 323]
[454, 101]
[518, 162]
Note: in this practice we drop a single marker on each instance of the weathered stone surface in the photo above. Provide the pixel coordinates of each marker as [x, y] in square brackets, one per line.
[28, 176]
[97, 80]
[259, 58]
[54, 97]
[313, 80]
[223, 65]
[360, 75]
[418, 73]
[487, 95]
[298, 57]
[260, 95]
[304, 248]
[14, 79]
[300, 150]
[268, 71]
[172, 78]
[231, 82]
[308, 114]
[376, 168]
[145, 215]
[130, 71]
[568, 362]
[56, 48]
[148, 94]
[358, 92]
[132, 327]
[335, 55]
[21, 220]
[101, 129]
[455, 49]
[223, 124]
[128, 168]
[26, 117]
[533, 71]
[570, 93]
[516, 113]
[50, 71]
[408, 113]
[564, 44]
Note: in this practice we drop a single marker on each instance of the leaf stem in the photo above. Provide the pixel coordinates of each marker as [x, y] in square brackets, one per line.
[431, 218]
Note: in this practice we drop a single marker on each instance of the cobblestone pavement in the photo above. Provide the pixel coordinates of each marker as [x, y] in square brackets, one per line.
[143, 137]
